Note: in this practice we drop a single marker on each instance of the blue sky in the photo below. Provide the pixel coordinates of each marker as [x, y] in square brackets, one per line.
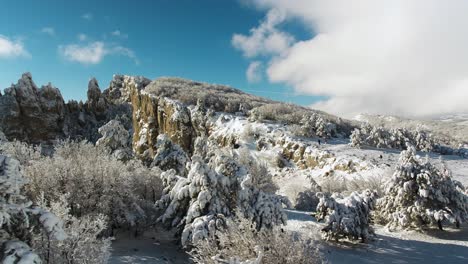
[189, 39]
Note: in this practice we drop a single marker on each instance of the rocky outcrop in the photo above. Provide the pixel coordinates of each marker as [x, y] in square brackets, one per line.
[121, 87]
[153, 116]
[31, 113]
[40, 115]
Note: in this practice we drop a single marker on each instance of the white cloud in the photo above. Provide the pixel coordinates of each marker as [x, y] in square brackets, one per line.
[12, 48]
[94, 52]
[119, 34]
[264, 39]
[376, 56]
[87, 16]
[82, 37]
[48, 30]
[254, 72]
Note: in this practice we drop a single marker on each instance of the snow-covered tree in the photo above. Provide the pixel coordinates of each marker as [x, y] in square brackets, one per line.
[116, 138]
[315, 125]
[347, 217]
[84, 242]
[420, 194]
[199, 203]
[356, 138]
[114, 135]
[397, 138]
[18, 217]
[170, 155]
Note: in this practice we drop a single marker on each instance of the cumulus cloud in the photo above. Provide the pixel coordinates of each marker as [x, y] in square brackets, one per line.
[264, 39]
[87, 16]
[375, 56]
[48, 30]
[254, 72]
[12, 48]
[94, 52]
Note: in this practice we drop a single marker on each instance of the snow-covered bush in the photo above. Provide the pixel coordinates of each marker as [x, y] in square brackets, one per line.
[262, 178]
[198, 203]
[420, 194]
[18, 217]
[95, 182]
[306, 201]
[20, 151]
[314, 125]
[84, 242]
[347, 217]
[397, 138]
[239, 242]
[170, 155]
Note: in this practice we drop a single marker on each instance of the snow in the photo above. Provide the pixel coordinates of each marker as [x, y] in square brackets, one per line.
[158, 247]
[449, 246]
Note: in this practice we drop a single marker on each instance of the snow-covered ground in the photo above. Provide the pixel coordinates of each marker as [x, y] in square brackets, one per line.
[448, 246]
[158, 247]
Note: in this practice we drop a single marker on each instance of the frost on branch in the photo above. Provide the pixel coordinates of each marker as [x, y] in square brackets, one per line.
[198, 204]
[17, 217]
[170, 155]
[240, 242]
[116, 138]
[18, 252]
[420, 194]
[347, 217]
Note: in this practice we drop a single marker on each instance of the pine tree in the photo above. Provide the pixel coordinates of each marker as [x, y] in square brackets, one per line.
[421, 194]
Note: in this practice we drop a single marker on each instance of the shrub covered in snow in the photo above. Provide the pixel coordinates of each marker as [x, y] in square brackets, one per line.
[170, 155]
[306, 201]
[315, 125]
[421, 194]
[116, 138]
[18, 217]
[84, 242]
[397, 138]
[211, 191]
[347, 217]
[95, 182]
[239, 242]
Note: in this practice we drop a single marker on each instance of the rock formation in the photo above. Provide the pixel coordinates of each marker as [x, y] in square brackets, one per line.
[40, 115]
[32, 114]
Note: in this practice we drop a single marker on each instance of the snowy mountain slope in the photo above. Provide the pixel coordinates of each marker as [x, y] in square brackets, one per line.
[449, 126]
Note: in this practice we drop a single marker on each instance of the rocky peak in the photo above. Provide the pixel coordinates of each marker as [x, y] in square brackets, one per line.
[96, 101]
[121, 86]
[29, 113]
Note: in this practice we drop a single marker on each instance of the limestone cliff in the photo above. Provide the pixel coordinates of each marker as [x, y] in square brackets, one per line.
[153, 116]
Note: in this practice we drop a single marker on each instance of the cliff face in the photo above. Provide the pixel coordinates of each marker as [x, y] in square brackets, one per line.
[153, 116]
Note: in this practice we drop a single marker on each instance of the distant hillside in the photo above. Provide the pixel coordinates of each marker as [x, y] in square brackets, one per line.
[446, 127]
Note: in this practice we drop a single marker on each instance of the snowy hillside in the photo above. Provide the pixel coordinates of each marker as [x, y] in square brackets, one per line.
[146, 173]
[451, 126]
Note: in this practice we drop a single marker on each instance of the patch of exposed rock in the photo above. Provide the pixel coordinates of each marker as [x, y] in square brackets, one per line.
[153, 116]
